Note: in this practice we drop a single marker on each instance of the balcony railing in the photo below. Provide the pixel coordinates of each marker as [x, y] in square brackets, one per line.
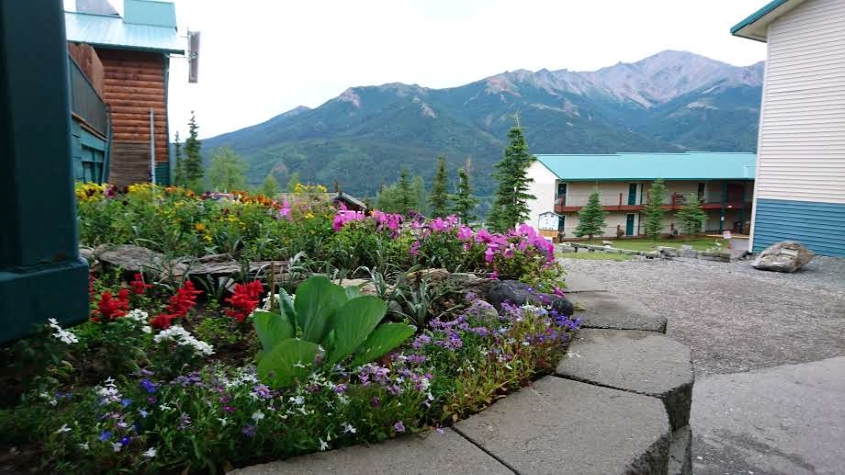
[85, 102]
[670, 199]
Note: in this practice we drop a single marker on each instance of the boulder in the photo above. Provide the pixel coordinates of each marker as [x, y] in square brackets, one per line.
[667, 251]
[518, 293]
[130, 258]
[785, 256]
[365, 285]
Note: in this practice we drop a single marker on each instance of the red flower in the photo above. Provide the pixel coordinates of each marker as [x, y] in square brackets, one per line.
[244, 300]
[138, 285]
[110, 308]
[178, 306]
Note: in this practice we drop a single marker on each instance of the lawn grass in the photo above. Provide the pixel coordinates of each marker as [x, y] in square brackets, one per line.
[699, 244]
[595, 256]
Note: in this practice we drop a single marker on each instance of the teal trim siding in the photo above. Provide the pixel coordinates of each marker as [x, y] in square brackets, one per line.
[163, 174]
[89, 155]
[819, 226]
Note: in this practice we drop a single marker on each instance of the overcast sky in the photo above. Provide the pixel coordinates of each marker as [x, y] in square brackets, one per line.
[260, 58]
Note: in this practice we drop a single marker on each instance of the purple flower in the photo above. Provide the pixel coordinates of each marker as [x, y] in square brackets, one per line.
[420, 341]
[249, 430]
[399, 426]
[148, 385]
[229, 409]
[262, 391]
[184, 421]
[376, 401]
[416, 359]
[340, 388]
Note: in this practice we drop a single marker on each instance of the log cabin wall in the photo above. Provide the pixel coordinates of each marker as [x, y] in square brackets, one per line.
[135, 82]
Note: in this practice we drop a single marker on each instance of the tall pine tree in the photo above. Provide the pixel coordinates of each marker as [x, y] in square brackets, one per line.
[591, 218]
[270, 187]
[510, 205]
[465, 202]
[406, 194]
[192, 163]
[179, 172]
[439, 197]
[654, 212]
[691, 215]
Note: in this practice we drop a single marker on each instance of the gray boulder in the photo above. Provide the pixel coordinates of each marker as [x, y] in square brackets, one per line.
[518, 293]
[785, 256]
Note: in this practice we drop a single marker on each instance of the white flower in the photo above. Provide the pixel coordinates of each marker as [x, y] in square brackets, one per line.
[323, 445]
[147, 329]
[63, 428]
[298, 400]
[60, 334]
[223, 421]
[164, 407]
[116, 446]
[347, 428]
[84, 446]
[138, 315]
[184, 338]
[257, 415]
[150, 453]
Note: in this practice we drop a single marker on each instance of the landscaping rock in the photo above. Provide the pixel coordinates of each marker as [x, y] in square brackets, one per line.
[610, 311]
[642, 362]
[433, 454]
[563, 426]
[518, 293]
[128, 257]
[668, 251]
[566, 248]
[471, 283]
[688, 251]
[365, 285]
[433, 276]
[785, 256]
[680, 452]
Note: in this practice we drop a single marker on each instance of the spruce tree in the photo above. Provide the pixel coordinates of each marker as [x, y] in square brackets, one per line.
[439, 197]
[192, 163]
[420, 204]
[179, 172]
[292, 182]
[510, 205]
[406, 194]
[465, 202]
[270, 187]
[591, 218]
[226, 172]
[654, 212]
[691, 216]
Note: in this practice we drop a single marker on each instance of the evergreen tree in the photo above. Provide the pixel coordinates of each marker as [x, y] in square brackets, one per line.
[510, 205]
[420, 204]
[387, 199]
[439, 197]
[192, 164]
[179, 172]
[292, 182]
[406, 194]
[465, 202]
[270, 187]
[591, 218]
[654, 212]
[226, 172]
[691, 216]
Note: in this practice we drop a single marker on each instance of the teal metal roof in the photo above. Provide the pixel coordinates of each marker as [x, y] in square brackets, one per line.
[114, 32]
[755, 26]
[650, 166]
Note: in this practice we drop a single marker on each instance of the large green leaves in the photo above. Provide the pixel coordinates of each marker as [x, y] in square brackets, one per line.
[352, 324]
[290, 361]
[272, 328]
[316, 300]
[385, 338]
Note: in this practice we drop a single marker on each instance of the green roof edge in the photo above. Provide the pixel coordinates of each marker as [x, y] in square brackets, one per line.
[754, 17]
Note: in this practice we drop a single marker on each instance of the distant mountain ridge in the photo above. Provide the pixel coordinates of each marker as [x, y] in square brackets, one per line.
[670, 101]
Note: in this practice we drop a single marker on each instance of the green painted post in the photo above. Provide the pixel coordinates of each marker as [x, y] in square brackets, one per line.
[41, 273]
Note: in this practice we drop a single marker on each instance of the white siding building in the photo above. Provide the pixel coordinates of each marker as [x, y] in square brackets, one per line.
[800, 187]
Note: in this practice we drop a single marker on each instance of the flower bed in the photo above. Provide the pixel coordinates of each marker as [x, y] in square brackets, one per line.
[165, 377]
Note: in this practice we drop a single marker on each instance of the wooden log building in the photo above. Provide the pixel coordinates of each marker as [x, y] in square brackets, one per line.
[127, 60]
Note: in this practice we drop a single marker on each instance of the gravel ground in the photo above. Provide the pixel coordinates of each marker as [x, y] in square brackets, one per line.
[734, 317]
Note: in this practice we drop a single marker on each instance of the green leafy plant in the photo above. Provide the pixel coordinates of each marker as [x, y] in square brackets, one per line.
[333, 324]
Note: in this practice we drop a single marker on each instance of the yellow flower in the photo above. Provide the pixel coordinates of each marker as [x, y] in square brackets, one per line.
[309, 215]
[199, 227]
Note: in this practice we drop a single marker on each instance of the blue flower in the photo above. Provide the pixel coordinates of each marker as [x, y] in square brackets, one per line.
[249, 430]
[148, 385]
[125, 402]
[125, 441]
[104, 436]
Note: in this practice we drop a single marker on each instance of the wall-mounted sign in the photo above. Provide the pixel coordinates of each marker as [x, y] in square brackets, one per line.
[548, 221]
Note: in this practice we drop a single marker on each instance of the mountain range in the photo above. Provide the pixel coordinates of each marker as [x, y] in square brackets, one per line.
[671, 101]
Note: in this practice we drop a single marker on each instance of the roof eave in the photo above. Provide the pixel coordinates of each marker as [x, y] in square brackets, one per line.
[755, 26]
[142, 49]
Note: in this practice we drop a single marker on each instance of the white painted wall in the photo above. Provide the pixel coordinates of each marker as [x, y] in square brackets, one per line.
[544, 189]
[801, 152]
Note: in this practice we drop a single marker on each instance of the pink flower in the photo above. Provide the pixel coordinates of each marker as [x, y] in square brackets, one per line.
[464, 233]
[415, 248]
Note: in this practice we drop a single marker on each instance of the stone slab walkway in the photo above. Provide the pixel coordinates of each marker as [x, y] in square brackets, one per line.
[618, 404]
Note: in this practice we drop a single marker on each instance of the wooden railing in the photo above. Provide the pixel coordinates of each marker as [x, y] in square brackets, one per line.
[85, 103]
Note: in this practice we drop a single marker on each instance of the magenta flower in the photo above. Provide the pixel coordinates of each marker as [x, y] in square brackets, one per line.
[464, 233]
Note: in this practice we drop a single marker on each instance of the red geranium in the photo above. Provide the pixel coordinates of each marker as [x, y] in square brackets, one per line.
[178, 306]
[244, 300]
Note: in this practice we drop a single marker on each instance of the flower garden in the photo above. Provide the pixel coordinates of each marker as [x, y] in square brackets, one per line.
[177, 374]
